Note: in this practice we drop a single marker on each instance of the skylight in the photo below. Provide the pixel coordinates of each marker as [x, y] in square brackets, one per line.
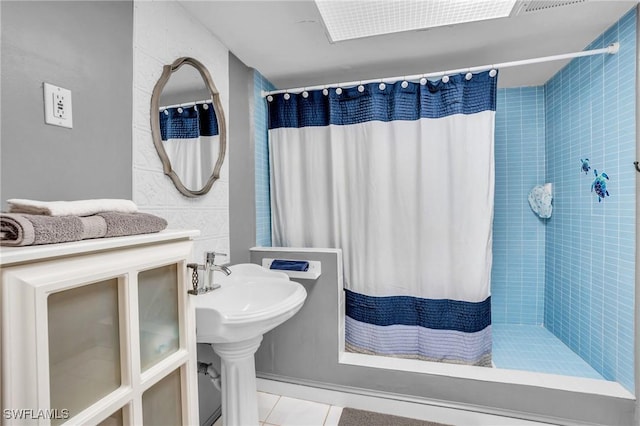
[351, 19]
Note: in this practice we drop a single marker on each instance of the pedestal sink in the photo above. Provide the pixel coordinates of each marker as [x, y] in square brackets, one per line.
[250, 302]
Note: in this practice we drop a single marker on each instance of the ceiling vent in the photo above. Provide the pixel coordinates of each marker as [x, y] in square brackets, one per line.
[534, 6]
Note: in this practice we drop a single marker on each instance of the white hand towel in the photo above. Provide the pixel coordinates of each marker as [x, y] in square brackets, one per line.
[71, 208]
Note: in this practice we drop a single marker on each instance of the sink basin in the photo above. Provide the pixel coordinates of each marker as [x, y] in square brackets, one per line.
[251, 301]
[233, 318]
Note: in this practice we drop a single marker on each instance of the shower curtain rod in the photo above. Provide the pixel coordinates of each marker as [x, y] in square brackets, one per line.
[186, 104]
[612, 49]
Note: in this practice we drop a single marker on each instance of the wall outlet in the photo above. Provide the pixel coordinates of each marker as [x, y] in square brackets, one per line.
[57, 106]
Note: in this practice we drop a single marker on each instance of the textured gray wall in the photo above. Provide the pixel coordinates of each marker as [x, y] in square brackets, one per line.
[83, 46]
[242, 193]
[305, 350]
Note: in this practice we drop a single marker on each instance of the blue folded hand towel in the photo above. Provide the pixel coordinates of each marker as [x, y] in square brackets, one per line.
[290, 265]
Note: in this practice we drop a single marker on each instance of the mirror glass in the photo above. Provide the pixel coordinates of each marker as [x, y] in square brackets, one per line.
[188, 127]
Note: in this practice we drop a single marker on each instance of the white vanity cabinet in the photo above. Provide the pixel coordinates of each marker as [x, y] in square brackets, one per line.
[99, 332]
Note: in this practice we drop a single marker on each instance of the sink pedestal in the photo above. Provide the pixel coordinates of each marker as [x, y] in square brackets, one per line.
[239, 392]
[249, 303]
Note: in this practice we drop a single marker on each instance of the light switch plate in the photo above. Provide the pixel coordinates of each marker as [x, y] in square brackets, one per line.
[57, 106]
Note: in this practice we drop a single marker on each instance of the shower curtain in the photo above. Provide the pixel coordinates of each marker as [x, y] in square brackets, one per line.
[191, 140]
[401, 178]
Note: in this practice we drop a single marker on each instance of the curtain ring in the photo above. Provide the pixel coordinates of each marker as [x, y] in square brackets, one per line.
[361, 88]
[305, 94]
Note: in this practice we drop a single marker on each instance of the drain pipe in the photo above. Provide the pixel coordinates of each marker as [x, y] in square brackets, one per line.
[210, 371]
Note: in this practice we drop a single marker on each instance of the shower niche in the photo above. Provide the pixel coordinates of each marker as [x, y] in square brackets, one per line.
[99, 337]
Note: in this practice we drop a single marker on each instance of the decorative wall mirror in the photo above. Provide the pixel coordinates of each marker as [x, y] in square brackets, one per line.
[188, 126]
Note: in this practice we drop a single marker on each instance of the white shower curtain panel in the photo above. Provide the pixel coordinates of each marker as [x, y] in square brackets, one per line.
[191, 139]
[193, 158]
[407, 194]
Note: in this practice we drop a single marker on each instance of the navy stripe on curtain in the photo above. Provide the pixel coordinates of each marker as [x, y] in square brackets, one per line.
[435, 99]
[440, 314]
[192, 122]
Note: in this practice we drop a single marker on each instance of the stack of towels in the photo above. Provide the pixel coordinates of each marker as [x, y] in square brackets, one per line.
[31, 222]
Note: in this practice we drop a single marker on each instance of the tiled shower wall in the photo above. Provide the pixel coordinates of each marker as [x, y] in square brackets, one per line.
[590, 113]
[517, 280]
[263, 200]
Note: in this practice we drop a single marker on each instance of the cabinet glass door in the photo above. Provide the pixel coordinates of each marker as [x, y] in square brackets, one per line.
[84, 345]
[116, 419]
[158, 314]
[162, 402]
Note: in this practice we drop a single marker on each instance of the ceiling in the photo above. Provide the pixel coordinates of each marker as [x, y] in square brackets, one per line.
[286, 42]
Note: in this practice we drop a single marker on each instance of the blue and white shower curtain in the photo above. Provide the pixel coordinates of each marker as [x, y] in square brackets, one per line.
[402, 180]
[191, 140]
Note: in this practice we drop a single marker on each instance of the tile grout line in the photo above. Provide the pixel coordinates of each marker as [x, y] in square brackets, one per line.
[272, 408]
[326, 416]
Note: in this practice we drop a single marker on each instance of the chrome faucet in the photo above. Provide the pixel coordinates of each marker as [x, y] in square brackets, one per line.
[208, 268]
[223, 269]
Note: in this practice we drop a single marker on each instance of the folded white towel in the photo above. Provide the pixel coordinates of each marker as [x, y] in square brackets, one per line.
[71, 208]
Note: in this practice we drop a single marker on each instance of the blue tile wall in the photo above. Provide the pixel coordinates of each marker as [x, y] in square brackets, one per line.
[263, 200]
[517, 281]
[590, 245]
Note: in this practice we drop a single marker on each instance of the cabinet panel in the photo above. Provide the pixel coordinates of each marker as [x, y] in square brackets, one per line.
[73, 324]
[158, 314]
[116, 419]
[162, 402]
[84, 345]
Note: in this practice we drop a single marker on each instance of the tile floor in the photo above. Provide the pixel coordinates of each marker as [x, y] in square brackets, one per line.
[284, 411]
[534, 348]
[276, 410]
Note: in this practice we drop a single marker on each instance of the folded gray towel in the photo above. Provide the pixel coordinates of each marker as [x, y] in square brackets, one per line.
[27, 229]
[93, 227]
[18, 229]
[120, 224]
